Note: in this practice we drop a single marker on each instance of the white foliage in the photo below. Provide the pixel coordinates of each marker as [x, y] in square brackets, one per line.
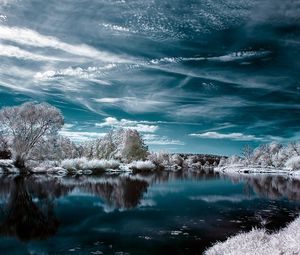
[273, 155]
[286, 241]
[293, 163]
[142, 165]
[123, 144]
[89, 164]
[27, 125]
[55, 148]
[160, 159]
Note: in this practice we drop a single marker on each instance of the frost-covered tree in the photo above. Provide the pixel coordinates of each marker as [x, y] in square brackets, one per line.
[123, 144]
[27, 124]
[234, 159]
[55, 148]
[160, 159]
[132, 146]
[247, 154]
[272, 155]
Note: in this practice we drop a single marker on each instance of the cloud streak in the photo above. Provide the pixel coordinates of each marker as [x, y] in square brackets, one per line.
[16, 52]
[25, 36]
[80, 136]
[124, 123]
[230, 136]
[134, 104]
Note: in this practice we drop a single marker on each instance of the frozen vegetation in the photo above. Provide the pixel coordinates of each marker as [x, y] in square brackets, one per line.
[30, 142]
[259, 241]
[267, 158]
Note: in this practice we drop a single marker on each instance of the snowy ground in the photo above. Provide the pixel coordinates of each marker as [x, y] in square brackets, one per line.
[259, 242]
[241, 169]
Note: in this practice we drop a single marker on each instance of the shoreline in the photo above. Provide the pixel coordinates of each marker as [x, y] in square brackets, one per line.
[260, 241]
[256, 170]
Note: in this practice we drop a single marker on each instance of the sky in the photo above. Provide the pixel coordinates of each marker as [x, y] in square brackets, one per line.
[191, 76]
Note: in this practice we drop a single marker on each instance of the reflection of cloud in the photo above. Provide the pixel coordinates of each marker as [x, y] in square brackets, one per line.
[147, 203]
[163, 190]
[106, 208]
[220, 198]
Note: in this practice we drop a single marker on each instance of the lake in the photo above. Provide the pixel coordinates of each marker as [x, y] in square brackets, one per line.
[163, 213]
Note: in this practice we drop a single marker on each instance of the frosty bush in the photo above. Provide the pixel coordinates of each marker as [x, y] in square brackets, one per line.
[293, 163]
[89, 164]
[160, 159]
[142, 165]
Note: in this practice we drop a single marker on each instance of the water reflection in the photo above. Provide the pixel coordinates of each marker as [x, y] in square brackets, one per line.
[28, 202]
[269, 186]
[23, 218]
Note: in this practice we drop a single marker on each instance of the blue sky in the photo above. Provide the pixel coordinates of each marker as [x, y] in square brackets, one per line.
[192, 76]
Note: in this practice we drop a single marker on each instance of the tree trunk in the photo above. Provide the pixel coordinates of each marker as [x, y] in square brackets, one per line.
[20, 163]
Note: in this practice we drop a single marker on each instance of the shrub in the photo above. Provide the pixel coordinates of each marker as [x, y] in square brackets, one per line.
[142, 165]
[293, 163]
[86, 164]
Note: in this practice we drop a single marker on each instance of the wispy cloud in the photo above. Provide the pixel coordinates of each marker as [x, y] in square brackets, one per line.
[2, 17]
[134, 104]
[231, 136]
[16, 52]
[124, 123]
[152, 139]
[80, 136]
[24, 36]
[88, 73]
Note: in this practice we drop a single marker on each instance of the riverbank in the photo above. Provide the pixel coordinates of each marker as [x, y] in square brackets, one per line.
[259, 241]
[155, 162]
[252, 169]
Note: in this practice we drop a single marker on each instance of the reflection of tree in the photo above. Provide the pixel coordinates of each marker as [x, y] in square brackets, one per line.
[24, 219]
[121, 192]
[270, 186]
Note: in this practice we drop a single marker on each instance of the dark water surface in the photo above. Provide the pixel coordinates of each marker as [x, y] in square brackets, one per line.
[165, 213]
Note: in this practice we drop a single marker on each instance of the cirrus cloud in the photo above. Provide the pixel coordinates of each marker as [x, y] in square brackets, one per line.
[25, 36]
[231, 136]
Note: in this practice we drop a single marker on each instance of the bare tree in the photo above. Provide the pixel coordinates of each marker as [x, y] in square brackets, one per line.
[294, 148]
[247, 154]
[27, 125]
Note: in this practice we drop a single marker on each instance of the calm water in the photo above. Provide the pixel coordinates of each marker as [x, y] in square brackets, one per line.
[167, 213]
